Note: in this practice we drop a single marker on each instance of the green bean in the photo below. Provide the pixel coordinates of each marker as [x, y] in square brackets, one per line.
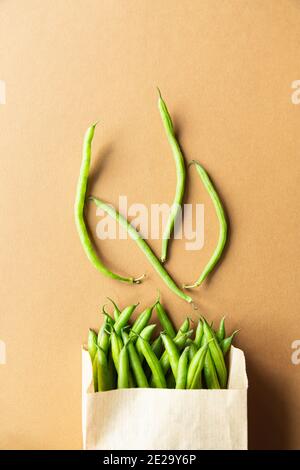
[103, 335]
[195, 368]
[111, 374]
[210, 373]
[172, 352]
[92, 344]
[221, 333]
[117, 311]
[159, 380]
[95, 372]
[140, 323]
[145, 334]
[135, 362]
[123, 373]
[79, 211]
[144, 247]
[180, 175]
[180, 341]
[216, 354]
[192, 351]
[103, 383]
[226, 343]
[124, 318]
[182, 369]
[170, 379]
[222, 223]
[116, 346]
[199, 334]
[157, 346]
[164, 320]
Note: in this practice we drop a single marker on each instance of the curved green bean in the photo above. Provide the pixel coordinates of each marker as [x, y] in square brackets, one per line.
[210, 373]
[92, 344]
[143, 246]
[216, 354]
[124, 318]
[135, 362]
[123, 373]
[165, 320]
[172, 352]
[221, 332]
[226, 343]
[79, 211]
[117, 311]
[103, 381]
[146, 334]
[159, 380]
[195, 368]
[182, 369]
[180, 174]
[140, 323]
[222, 224]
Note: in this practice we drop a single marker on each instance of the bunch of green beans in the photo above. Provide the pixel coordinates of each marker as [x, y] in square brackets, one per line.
[157, 263]
[127, 354]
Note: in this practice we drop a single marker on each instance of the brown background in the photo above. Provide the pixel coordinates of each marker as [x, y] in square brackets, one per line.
[225, 69]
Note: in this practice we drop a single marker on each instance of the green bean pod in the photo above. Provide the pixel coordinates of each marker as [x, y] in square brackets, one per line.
[192, 351]
[179, 341]
[221, 333]
[116, 346]
[103, 339]
[216, 353]
[112, 373]
[117, 311]
[210, 373]
[157, 346]
[79, 211]
[226, 343]
[199, 334]
[123, 374]
[103, 382]
[135, 362]
[142, 244]
[165, 320]
[145, 334]
[195, 368]
[92, 344]
[95, 372]
[124, 318]
[222, 226]
[182, 369]
[180, 175]
[172, 352]
[159, 380]
[170, 379]
[140, 323]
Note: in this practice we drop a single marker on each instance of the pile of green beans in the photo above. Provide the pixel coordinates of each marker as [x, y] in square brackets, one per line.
[127, 354]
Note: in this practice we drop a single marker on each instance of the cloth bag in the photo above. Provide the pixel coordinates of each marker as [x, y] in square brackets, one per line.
[165, 419]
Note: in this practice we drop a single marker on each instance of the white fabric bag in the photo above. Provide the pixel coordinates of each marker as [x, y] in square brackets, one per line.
[164, 419]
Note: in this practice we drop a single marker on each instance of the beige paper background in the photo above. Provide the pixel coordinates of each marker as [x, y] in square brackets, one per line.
[225, 69]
